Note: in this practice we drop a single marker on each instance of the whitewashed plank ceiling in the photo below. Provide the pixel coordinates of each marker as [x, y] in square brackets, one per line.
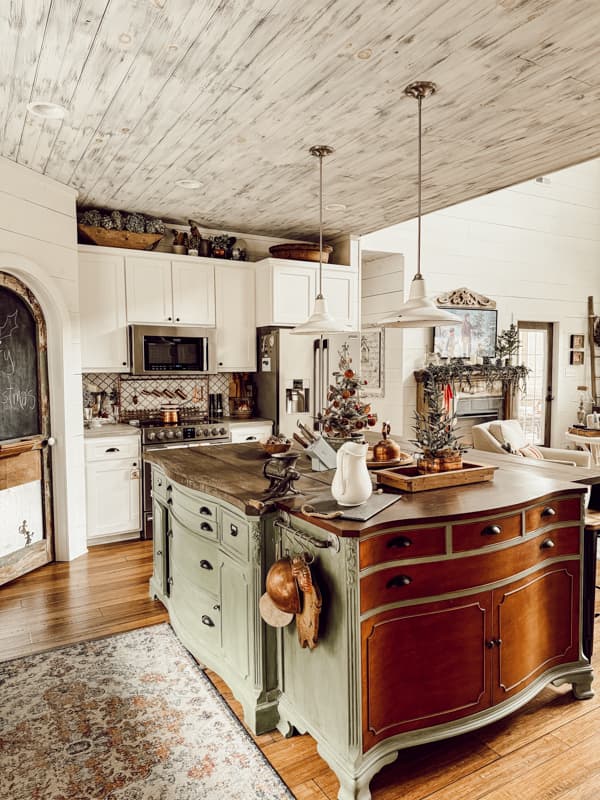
[233, 92]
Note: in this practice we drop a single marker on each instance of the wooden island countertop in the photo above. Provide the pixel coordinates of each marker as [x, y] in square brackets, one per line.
[234, 473]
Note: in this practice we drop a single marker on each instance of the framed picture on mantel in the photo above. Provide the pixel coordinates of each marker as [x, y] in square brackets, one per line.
[475, 335]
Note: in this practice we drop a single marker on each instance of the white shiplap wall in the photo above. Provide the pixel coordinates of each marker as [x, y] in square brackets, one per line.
[38, 244]
[534, 248]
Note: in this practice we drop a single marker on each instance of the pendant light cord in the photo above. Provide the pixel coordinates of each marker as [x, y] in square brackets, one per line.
[420, 99]
[320, 295]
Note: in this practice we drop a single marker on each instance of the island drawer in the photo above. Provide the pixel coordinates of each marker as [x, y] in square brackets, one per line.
[473, 535]
[159, 484]
[394, 584]
[198, 613]
[234, 534]
[553, 511]
[392, 545]
[198, 514]
[196, 558]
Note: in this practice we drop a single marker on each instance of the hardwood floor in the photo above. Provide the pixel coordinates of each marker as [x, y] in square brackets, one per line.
[548, 750]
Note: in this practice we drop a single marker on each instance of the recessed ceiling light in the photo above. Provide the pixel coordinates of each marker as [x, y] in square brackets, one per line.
[335, 207]
[125, 38]
[365, 54]
[173, 47]
[187, 183]
[47, 110]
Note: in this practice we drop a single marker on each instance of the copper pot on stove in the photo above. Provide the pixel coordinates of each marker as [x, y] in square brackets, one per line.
[169, 415]
[386, 449]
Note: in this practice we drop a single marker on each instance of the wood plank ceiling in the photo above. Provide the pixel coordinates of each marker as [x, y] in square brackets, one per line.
[233, 92]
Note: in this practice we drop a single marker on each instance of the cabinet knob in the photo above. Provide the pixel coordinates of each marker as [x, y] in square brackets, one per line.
[206, 620]
[548, 512]
[547, 544]
[398, 580]
[205, 527]
[169, 319]
[497, 642]
[233, 529]
[491, 530]
[124, 363]
[159, 552]
[399, 541]
[216, 607]
[206, 511]
[177, 319]
[489, 644]
[206, 564]
[170, 581]
[220, 363]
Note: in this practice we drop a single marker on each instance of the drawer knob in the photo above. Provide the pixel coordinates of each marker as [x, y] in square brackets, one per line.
[159, 483]
[400, 541]
[497, 642]
[233, 529]
[206, 511]
[206, 564]
[547, 544]
[489, 644]
[216, 607]
[159, 552]
[398, 580]
[206, 620]
[549, 512]
[491, 530]
[205, 527]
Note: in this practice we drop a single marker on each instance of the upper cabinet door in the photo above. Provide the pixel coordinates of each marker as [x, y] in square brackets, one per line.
[236, 319]
[294, 289]
[149, 295]
[193, 292]
[102, 313]
[340, 287]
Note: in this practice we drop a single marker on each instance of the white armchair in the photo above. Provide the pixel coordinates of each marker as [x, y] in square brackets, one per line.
[506, 437]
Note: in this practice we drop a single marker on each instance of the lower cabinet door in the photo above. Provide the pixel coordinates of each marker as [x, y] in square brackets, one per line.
[536, 626]
[113, 497]
[196, 612]
[160, 555]
[424, 665]
[235, 601]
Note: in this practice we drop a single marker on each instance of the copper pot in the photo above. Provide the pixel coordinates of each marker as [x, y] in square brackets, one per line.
[169, 416]
[386, 449]
[282, 587]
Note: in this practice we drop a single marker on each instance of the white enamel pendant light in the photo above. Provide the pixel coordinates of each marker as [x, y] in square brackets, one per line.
[320, 321]
[419, 311]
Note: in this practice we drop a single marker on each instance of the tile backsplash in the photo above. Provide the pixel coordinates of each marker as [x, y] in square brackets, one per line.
[140, 398]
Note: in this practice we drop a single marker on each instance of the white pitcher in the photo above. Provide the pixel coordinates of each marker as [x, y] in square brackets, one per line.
[351, 485]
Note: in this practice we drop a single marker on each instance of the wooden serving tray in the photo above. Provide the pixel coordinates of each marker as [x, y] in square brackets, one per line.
[409, 480]
[591, 432]
[112, 238]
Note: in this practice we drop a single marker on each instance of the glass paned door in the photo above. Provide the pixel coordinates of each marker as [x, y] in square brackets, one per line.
[535, 404]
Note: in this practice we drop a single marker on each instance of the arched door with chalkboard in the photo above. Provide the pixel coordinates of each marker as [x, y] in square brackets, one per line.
[25, 479]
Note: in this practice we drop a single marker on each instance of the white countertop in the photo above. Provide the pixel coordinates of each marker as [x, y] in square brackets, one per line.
[111, 429]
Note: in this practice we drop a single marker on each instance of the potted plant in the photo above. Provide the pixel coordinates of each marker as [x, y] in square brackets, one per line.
[508, 344]
[435, 433]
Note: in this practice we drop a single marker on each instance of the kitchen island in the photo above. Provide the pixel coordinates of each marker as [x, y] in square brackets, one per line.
[444, 612]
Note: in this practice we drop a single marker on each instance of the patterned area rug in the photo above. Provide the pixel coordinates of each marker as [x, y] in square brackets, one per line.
[130, 717]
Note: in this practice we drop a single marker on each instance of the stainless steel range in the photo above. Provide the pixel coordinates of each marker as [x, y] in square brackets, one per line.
[156, 435]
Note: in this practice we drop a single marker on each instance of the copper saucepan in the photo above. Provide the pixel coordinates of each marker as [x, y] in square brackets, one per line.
[169, 415]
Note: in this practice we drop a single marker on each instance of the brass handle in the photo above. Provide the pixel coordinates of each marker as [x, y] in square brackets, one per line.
[206, 620]
[491, 530]
[398, 580]
[206, 511]
[206, 564]
[548, 512]
[547, 544]
[399, 541]
[205, 527]
[233, 529]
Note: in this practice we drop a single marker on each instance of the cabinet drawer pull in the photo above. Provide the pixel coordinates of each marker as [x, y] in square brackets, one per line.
[169, 488]
[206, 511]
[398, 580]
[399, 541]
[159, 552]
[547, 544]
[205, 527]
[548, 512]
[206, 564]
[112, 450]
[233, 529]
[170, 501]
[491, 530]
[206, 620]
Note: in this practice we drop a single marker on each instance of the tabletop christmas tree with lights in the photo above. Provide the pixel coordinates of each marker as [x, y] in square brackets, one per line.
[346, 416]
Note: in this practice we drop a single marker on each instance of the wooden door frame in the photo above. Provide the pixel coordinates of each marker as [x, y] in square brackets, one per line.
[42, 552]
[549, 328]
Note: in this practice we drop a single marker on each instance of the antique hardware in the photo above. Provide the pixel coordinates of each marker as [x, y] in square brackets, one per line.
[206, 511]
[491, 530]
[398, 580]
[206, 564]
[159, 552]
[281, 471]
[205, 527]
[548, 512]
[399, 541]
[284, 526]
[206, 620]
[233, 529]
[112, 450]
[547, 544]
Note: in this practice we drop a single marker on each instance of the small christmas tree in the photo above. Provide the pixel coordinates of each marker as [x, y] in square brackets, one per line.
[434, 429]
[346, 415]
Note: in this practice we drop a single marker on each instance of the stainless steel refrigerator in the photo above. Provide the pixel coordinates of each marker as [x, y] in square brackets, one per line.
[294, 372]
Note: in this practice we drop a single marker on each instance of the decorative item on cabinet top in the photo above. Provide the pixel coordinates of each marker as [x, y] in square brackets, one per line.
[303, 251]
[119, 229]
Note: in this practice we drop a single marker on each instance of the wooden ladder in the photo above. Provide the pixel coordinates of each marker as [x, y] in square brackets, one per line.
[593, 322]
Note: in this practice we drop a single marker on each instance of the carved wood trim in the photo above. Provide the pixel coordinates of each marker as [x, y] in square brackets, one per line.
[465, 298]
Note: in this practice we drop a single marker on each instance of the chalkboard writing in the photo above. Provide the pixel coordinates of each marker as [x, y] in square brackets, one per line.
[19, 411]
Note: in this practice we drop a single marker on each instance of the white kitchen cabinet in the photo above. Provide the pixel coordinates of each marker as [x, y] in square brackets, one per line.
[235, 317]
[286, 290]
[163, 290]
[103, 320]
[250, 430]
[113, 488]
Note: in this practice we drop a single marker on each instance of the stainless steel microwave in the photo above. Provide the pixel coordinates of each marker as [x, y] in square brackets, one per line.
[170, 350]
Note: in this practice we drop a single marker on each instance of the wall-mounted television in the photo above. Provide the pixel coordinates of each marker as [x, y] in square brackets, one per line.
[474, 336]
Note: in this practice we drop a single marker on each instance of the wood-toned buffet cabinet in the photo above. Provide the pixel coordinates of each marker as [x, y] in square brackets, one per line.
[431, 629]
[209, 573]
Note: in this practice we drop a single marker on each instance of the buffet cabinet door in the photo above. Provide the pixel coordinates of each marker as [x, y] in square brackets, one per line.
[536, 626]
[425, 664]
